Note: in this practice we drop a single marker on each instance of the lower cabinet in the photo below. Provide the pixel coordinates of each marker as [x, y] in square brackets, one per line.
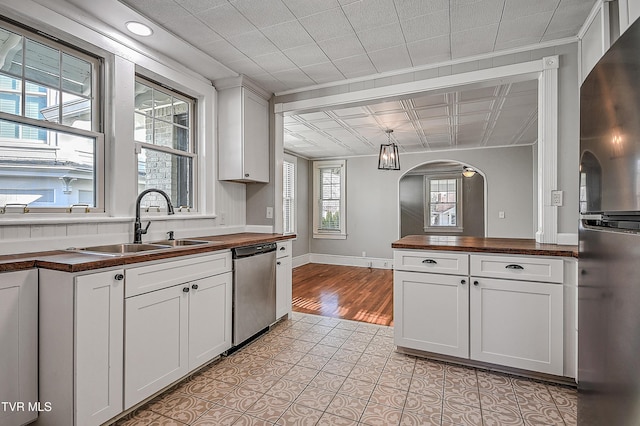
[431, 312]
[19, 346]
[515, 323]
[283, 280]
[171, 331]
[81, 343]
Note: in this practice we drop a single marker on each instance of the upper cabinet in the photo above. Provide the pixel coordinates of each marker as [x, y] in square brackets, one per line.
[243, 135]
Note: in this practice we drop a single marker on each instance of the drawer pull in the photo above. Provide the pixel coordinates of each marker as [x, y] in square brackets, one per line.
[430, 261]
[282, 248]
[476, 283]
[514, 266]
[119, 277]
[194, 286]
[185, 289]
[463, 282]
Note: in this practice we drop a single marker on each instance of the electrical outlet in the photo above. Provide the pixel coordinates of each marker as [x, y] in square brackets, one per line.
[269, 212]
[556, 198]
[223, 217]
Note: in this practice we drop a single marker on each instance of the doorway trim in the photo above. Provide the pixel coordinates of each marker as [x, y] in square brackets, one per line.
[544, 70]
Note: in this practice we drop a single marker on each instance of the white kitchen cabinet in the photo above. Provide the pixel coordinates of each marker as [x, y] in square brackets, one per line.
[243, 135]
[517, 324]
[156, 342]
[431, 312]
[210, 304]
[81, 338]
[283, 279]
[178, 317]
[499, 309]
[19, 346]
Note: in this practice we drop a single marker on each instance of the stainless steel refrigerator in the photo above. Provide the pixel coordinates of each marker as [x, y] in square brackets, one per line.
[609, 262]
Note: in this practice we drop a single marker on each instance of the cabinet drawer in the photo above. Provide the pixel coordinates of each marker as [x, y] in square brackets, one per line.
[431, 261]
[284, 249]
[161, 275]
[527, 268]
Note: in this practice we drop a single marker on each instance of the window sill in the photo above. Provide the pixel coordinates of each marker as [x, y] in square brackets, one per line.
[443, 230]
[66, 218]
[331, 236]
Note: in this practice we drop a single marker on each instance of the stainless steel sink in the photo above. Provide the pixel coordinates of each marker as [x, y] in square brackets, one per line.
[181, 242]
[121, 249]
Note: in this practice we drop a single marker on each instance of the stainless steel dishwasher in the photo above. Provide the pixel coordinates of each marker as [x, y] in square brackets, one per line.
[254, 290]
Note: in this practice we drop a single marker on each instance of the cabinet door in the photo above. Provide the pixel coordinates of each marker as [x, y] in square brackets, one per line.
[256, 137]
[517, 324]
[98, 347]
[283, 286]
[431, 312]
[209, 318]
[156, 339]
[19, 344]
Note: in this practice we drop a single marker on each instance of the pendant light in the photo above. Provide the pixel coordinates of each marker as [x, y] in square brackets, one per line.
[389, 158]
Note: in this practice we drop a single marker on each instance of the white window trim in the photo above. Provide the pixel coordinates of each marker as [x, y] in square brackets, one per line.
[427, 205]
[292, 159]
[317, 232]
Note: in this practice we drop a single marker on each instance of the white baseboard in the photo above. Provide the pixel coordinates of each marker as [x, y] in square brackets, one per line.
[365, 262]
[569, 239]
[300, 260]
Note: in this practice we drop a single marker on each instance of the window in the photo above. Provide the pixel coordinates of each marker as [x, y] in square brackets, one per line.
[443, 196]
[329, 214]
[50, 145]
[289, 195]
[165, 143]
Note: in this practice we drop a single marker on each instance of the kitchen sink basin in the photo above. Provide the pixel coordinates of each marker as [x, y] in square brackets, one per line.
[121, 249]
[181, 242]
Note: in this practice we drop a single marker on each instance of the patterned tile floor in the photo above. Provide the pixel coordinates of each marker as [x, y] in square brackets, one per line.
[314, 370]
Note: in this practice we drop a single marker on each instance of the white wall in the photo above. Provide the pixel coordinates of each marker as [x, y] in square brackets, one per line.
[36, 232]
[372, 198]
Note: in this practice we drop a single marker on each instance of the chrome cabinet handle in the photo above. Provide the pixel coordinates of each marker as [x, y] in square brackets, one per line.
[430, 261]
[514, 266]
[119, 277]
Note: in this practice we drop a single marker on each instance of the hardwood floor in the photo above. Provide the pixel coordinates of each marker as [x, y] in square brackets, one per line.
[346, 292]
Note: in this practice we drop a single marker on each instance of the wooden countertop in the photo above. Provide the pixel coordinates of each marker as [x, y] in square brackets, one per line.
[71, 261]
[484, 245]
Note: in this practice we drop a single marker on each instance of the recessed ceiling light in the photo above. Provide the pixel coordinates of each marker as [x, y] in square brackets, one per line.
[139, 28]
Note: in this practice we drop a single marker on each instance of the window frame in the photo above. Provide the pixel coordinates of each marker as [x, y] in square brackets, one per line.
[294, 199]
[193, 145]
[340, 234]
[459, 227]
[97, 112]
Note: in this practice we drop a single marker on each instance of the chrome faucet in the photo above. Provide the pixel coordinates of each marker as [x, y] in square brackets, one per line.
[137, 226]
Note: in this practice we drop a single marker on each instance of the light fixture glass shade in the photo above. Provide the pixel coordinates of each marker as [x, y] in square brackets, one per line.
[468, 172]
[138, 28]
[389, 159]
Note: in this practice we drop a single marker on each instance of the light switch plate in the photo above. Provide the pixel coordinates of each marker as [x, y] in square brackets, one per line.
[269, 212]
